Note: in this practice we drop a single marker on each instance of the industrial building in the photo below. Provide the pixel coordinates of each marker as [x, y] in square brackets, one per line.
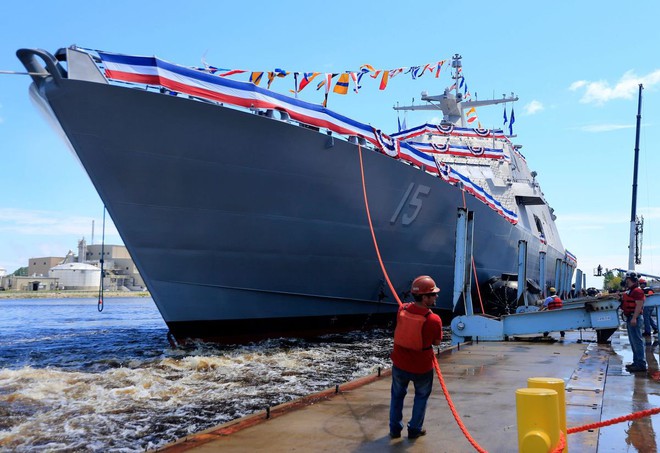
[79, 272]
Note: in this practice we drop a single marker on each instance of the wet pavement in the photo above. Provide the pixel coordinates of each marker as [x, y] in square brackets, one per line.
[626, 394]
[482, 379]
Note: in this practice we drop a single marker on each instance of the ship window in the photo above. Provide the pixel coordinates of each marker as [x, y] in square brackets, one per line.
[539, 225]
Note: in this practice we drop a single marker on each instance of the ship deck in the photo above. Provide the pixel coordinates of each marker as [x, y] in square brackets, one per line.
[482, 379]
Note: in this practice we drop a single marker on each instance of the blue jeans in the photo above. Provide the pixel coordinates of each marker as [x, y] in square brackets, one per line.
[649, 322]
[423, 386]
[636, 342]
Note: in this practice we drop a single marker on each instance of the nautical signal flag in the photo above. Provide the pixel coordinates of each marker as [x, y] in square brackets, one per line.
[471, 115]
[354, 78]
[306, 80]
[439, 68]
[327, 82]
[276, 73]
[232, 72]
[384, 80]
[364, 69]
[341, 87]
[511, 121]
[255, 77]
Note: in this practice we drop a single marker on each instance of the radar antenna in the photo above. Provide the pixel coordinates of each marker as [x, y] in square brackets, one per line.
[453, 104]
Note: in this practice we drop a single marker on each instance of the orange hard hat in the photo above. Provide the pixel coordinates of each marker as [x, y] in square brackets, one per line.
[424, 285]
[642, 281]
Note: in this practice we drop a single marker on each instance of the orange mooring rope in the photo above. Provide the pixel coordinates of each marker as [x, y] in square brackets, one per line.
[396, 296]
[476, 280]
[453, 410]
[561, 444]
[373, 234]
[614, 421]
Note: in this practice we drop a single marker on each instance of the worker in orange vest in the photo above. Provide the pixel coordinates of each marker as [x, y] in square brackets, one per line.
[417, 330]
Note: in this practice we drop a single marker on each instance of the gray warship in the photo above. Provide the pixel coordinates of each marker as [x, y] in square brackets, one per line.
[243, 208]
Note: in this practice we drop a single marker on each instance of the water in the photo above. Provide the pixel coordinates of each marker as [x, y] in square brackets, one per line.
[74, 379]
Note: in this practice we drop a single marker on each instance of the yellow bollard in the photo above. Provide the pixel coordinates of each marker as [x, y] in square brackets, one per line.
[558, 386]
[538, 420]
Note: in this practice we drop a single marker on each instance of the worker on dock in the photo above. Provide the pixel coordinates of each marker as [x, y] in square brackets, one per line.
[632, 304]
[649, 322]
[417, 330]
[553, 302]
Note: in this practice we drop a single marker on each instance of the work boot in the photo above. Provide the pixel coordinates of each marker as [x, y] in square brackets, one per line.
[416, 434]
[635, 368]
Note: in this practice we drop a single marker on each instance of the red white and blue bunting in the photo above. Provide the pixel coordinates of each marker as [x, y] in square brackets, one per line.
[449, 130]
[201, 84]
[571, 259]
[455, 178]
[458, 150]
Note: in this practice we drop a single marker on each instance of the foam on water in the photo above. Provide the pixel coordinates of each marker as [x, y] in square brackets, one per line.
[87, 385]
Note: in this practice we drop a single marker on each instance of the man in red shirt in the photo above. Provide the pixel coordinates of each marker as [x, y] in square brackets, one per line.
[632, 304]
[417, 330]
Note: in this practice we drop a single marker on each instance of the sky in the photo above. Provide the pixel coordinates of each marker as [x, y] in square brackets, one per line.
[575, 67]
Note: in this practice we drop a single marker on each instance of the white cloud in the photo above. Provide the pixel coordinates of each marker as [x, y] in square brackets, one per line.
[576, 85]
[533, 107]
[604, 127]
[600, 92]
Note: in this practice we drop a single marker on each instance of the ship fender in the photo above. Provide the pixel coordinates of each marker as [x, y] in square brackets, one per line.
[501, 294]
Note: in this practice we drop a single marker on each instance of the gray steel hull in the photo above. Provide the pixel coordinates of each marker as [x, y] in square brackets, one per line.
[246, 227]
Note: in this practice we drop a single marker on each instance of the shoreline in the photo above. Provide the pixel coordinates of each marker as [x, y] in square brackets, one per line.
[70, 294]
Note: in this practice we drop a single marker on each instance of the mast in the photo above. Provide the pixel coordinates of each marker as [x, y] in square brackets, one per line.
[633, 254]
[453, 104]
[458, 67]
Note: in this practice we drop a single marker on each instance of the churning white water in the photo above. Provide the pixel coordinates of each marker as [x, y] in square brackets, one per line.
[74, 379]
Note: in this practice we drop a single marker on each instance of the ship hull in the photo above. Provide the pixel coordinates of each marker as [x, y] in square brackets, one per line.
[245, 227]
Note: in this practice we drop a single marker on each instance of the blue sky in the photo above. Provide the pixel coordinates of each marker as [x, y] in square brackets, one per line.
[574, 65]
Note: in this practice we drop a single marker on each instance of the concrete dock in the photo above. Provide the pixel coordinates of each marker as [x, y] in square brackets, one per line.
[482, 379]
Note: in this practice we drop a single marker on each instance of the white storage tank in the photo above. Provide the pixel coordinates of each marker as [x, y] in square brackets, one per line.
[79, 276]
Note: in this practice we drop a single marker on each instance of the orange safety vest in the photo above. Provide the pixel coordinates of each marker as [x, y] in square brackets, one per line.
[628, 303]
[555, 303]
[408, 332]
